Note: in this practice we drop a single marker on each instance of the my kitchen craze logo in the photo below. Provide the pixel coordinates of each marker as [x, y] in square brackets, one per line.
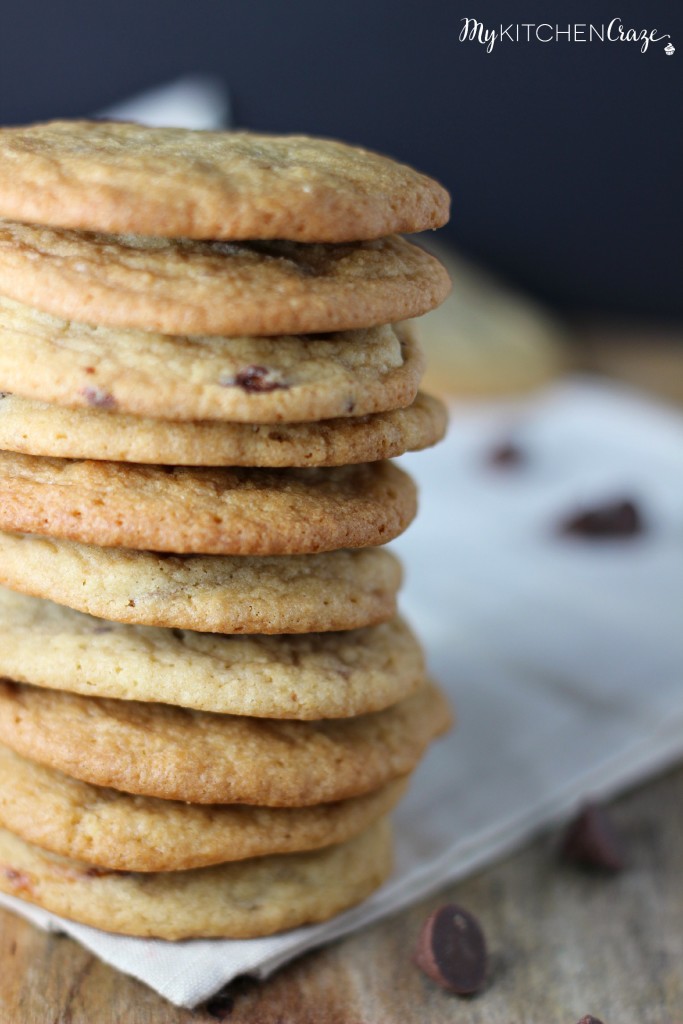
[474, 31]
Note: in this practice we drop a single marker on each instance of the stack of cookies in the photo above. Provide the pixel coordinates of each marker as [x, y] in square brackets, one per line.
[208, 703]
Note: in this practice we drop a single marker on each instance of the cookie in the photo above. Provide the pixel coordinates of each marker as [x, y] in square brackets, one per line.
[135, 833]
[55, 647]
[176, 754]
[35, 428]
[248, 380]
[206, 511]
[179, 286]
[240, 900]
[208, 593]
[109, 176]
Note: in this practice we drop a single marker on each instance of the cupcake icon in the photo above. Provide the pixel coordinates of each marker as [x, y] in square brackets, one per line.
[669, 49]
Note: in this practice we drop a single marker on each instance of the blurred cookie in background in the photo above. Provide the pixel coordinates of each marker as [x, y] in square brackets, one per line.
[486, 339]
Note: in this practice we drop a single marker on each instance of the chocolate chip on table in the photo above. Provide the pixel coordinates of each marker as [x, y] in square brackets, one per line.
[592, 841]
[506, 455]
[451, 950]
[589, 1020]
[220, 1006]
[620, 518]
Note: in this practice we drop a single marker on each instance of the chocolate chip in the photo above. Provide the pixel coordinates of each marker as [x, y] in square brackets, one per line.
[506, 454]
[592, 841]
[255, 379]
[589, 1020]
[98, 397]
[18, 879]
[614, 519]
[451, 950]
[4, 394]
[220, 1006]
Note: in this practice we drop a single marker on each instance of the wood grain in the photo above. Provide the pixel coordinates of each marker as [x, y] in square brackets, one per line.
[563, 943]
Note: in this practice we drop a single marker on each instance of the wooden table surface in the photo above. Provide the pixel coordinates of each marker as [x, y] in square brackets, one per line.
[563, 943]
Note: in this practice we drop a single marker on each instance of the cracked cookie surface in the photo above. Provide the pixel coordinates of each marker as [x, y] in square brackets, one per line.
[241, 900]
[36, 428]
[177, 754]
[114, 830]
[187, 510]
[172, 377]
[179, 286]
[112, 176]
[335, 590]
[311, 676]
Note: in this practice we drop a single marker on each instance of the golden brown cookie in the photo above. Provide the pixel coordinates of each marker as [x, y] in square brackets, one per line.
[209, 593]
[241, 900]
[51, 646]
[114, 830]
[205, 511]
[179, 286]
[176, 754]
[35, 428]
[247, 380]
[110, 176]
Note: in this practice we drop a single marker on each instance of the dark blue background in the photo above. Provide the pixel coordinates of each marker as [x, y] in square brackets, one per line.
[565, 161]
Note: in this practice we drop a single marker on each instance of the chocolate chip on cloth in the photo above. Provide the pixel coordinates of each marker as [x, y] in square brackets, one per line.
[451, 950]
[592, 841]
[620, 518]
[506, 455]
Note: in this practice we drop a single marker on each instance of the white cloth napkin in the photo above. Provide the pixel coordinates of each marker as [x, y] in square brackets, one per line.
[201, 102]
[564, 657]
